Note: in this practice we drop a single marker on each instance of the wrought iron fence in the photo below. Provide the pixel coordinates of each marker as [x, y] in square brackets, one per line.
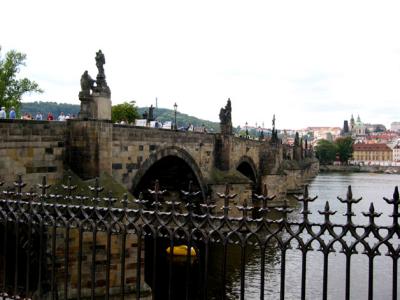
[98, 247]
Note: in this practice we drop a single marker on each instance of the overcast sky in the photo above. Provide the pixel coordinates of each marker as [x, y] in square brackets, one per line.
[312, 63]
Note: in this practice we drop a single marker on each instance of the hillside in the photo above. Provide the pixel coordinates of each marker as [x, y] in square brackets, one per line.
[52, 107]
[182, 120]
[161, 114]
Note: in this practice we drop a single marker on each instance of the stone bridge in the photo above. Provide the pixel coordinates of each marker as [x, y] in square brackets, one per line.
[136, 156]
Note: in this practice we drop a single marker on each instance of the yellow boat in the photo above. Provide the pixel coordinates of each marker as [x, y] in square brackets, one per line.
[182, 250]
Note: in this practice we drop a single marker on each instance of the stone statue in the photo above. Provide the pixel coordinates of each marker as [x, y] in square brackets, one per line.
[95, 95]
[150, 116]
[101, 83]
[225, 114]
[87, 83]
[100, 61]
[225, 117]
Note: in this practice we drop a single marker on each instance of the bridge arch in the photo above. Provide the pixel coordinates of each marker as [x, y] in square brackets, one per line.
[170, 158]
[248, 168]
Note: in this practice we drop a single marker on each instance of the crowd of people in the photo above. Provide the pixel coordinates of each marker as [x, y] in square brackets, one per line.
[38, 117]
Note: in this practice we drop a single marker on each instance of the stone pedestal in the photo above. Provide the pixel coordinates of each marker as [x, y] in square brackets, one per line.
[103, 105]
[95, 106]
[88, 106]
[89, 145]
[222, 152]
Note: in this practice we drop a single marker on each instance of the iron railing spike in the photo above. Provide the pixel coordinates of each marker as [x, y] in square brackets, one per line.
[371, 208]
[208, 228]
[306, 191]
[265, 191]
[349, 193]
[396, 194]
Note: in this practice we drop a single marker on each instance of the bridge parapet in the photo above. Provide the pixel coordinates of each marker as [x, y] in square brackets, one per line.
[32, 148]
[128, 154]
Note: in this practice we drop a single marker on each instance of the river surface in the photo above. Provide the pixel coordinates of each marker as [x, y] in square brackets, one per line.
[372, 187]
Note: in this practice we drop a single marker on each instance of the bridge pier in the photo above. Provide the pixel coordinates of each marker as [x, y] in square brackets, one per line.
[89, 147]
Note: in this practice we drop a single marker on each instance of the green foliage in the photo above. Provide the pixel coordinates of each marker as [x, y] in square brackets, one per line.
[45, 107]
[182, 120]
[126, 112]
[344, 146]
[11, 88]
[326, 151]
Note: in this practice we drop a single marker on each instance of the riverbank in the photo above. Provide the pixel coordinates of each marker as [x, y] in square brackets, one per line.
[360, 169]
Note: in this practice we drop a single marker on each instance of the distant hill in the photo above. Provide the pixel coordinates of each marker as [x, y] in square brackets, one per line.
[53, 107]
[161, 114]
[182, 120]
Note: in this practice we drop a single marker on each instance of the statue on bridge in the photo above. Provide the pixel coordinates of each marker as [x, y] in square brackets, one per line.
[100, 61]
[87, 84]
[95, 95]
[225, 117]
[101, 83]
[150, 116]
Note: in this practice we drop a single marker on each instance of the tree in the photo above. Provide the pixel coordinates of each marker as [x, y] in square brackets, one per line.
[11, 88]
[326, 151]
[344, 146]
[126, 112]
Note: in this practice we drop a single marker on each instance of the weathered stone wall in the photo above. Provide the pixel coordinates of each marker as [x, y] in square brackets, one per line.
[244, 193]
[32, 149]
[130, 266]
[241, 148]
[90, 147]
[133, 148]
[291, 179]
[88, 144]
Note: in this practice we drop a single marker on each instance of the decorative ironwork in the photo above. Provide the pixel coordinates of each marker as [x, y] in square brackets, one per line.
[49, 249]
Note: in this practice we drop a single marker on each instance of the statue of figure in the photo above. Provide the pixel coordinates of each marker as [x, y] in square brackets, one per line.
[100, 61]
[150, 116]
[225, 117]
[225, 114]
[86, 83]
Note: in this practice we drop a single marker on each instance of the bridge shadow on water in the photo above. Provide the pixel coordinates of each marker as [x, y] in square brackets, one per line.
[188, 280]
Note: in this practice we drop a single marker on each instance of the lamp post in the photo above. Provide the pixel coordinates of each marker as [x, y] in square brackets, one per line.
[246, 132]
[175, 108]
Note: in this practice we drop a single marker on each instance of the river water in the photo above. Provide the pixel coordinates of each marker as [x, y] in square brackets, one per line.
[372, 187]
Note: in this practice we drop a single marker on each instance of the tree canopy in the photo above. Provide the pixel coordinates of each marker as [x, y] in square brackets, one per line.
[344, 147]
[11, 88]
[325, 151]
[126, 112]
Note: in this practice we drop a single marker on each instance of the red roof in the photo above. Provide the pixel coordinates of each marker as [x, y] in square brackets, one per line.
[371, 147]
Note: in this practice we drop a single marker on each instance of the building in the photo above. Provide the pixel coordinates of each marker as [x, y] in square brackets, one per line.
[372, 153]
[395, 126]
[396, 153]
[318, 133]
[358, 128]
[346, 129]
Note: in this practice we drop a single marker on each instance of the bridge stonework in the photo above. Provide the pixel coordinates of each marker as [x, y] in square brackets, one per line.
[33, 149]
[92, 147]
